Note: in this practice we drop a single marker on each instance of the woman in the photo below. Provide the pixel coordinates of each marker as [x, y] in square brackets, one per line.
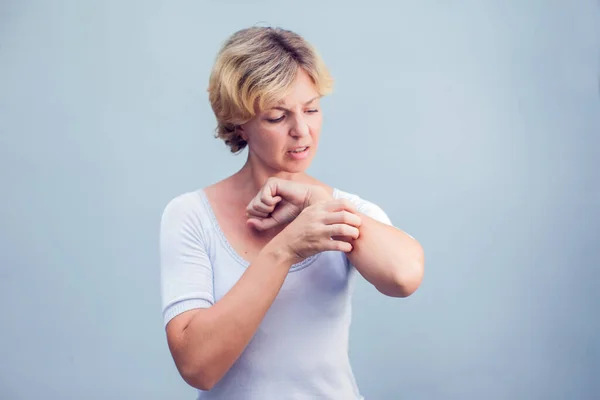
[257, 270]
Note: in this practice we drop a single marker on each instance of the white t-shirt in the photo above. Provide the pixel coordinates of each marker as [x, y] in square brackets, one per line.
[300, 350]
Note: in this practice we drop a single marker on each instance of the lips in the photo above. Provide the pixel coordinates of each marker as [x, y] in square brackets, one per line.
[299, 153]
[297, 150]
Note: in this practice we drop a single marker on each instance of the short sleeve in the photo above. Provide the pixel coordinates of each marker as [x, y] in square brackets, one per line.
[373, 211]
[186, 274]
[366, 207]
[376, 212]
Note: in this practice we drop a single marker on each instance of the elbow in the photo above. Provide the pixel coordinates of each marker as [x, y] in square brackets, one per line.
[197, 365]
[198, 377]
[407, 277]
[407, 287]
[204, 385]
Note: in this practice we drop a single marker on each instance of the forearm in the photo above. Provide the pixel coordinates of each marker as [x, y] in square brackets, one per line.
[215, 337]
[388, 258]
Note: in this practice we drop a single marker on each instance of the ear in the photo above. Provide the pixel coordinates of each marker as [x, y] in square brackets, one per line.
[239, 129]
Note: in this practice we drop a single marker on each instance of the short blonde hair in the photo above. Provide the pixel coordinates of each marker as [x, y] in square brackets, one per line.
[254, 69]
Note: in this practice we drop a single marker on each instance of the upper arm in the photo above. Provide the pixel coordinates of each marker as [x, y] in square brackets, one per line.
[373, 211]
[186, 274]
[366, 207]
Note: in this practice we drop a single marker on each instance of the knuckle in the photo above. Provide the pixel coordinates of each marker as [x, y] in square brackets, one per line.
[341, 203]
[272, 183]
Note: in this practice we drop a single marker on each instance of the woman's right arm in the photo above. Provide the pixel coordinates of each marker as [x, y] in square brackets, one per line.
[206, 342]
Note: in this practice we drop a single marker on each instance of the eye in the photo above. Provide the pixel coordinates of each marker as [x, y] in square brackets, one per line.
[312, 111]
[275, 120]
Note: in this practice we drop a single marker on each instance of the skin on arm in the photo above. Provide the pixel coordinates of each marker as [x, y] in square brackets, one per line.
[388, 258]
[385, 256]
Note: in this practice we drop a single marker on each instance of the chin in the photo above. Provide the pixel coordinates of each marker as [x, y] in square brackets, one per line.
[295, 167]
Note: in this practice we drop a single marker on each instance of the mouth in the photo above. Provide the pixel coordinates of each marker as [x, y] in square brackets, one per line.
[299, 150]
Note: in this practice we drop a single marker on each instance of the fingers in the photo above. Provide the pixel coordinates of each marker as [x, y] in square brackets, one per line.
[340, 205]
[338, 245]
[291, 191]
[274, 193]
[268, 198]
[342, 217]
[343, 238]
[262, 205]
[342, 230]
[251, 212]
[262, 224]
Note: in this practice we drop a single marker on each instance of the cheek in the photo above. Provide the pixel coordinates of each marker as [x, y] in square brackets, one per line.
[270, 138]
[317, 119]
[315, 126]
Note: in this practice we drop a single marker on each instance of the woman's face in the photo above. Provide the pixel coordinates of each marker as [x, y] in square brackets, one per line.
[285, 137]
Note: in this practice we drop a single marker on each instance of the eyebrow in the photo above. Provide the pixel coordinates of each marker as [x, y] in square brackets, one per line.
[280, 106]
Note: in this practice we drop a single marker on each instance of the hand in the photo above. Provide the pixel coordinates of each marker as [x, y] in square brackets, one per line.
[280, 201]
[319, 227]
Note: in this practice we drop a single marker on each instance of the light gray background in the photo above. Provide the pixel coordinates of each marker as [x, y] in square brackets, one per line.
[474, 124]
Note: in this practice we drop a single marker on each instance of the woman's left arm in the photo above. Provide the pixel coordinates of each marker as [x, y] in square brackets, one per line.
[387, 257]
[384, 255]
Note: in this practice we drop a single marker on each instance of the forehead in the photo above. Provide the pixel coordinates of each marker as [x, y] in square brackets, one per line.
[302, 90]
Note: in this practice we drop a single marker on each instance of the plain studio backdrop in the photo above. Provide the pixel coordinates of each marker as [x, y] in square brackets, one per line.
[474, 124]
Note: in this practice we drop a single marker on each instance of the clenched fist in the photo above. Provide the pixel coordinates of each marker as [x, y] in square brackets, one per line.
[280, 201]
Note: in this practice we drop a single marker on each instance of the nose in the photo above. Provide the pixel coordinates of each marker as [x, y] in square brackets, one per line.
[300, 128]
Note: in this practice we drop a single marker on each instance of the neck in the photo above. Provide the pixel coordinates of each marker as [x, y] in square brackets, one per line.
[253, 175]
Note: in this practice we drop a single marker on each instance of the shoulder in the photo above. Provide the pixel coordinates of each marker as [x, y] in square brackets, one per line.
[363, 205]
[184, 213]
[184, 204]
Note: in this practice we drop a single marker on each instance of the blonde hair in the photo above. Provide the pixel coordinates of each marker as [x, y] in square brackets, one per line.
[254, 69]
